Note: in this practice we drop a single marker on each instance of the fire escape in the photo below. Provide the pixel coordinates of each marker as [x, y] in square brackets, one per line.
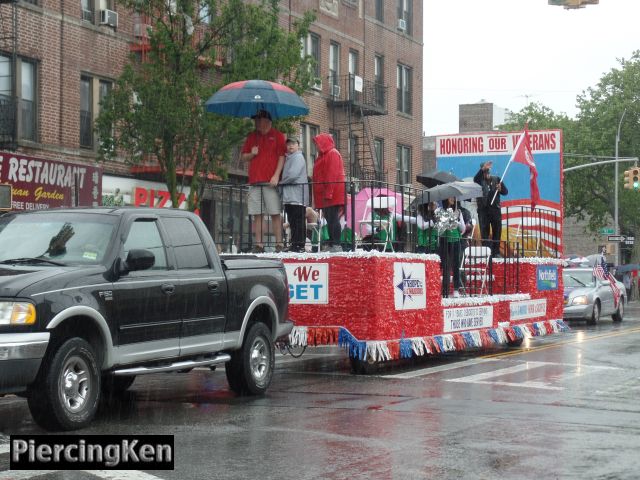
[8, 52]
[353, 100]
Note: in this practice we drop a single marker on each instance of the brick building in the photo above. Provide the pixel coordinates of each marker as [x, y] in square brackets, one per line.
[60, 58]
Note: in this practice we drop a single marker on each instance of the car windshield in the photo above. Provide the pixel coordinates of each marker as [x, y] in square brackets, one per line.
[578, 278]
[55, 238]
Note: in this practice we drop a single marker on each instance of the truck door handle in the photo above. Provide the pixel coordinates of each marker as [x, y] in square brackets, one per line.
[213, 286]
[168, 288]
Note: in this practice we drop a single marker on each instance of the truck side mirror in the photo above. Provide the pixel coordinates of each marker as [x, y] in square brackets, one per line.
[138, 259]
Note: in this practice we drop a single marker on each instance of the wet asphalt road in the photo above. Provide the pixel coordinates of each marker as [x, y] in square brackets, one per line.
[564, 406]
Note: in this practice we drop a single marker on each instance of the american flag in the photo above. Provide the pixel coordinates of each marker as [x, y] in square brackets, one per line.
[601, 271]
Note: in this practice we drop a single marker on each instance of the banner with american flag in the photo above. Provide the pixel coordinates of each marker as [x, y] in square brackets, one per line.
[601, 271]
[462, 154]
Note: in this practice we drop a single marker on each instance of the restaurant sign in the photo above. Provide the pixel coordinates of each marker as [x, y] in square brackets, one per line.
[39, 184]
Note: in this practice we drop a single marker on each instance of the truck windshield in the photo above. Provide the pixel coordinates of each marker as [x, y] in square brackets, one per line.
[55, 238]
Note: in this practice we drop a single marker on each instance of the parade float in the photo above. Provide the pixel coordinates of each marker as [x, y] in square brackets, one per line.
[388, 306]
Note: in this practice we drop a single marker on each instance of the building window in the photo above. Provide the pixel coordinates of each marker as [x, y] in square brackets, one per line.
[307, 133]
[378, 72]
[311, 47]
[378, 155]
[403, 164]
[25, 94]
[334, 64]
[380, 10]
[27, 100]
[403, 85]
[92, 93]
[405, 14]
[88, 13]
[86, 113]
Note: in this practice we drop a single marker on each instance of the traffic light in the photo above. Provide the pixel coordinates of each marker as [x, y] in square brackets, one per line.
[628, 183]
[635, 178]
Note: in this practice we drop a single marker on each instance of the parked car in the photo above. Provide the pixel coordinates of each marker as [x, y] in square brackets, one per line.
[91, 298]
[588, 298]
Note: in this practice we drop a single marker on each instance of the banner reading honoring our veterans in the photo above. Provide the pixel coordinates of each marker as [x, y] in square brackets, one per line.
[462, 155]
[39, 184]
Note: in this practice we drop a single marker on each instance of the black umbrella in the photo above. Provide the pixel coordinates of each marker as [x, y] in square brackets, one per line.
[436, 177]
[458, 190]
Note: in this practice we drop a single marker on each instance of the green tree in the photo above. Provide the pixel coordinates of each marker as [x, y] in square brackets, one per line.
[589, 192]
[155, 111]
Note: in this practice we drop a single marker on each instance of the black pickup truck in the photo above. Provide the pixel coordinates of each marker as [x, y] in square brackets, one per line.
[91, 298]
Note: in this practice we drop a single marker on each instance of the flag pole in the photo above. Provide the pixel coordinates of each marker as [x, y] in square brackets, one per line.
[507, 167]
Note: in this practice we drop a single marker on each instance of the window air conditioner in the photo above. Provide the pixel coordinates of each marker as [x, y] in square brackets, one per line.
[402, 24]
[317, 84]
[335, 90]
[109, 17]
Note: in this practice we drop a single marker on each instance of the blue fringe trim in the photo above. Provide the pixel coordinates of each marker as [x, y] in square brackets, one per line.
[405, 348]
[440, 342]
[494, 335]
[357, 349]
[518, 331]
[468, 339]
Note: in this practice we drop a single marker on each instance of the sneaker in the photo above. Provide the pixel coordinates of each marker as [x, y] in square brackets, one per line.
[456, 294]
[325, 248]
[279, 248]
[257, 249]
[335, 249]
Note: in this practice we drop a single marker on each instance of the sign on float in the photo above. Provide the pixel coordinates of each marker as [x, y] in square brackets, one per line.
[308, 282]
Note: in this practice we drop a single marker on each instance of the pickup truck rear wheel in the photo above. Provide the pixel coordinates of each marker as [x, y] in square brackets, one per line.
[66, 392]
[250, 370]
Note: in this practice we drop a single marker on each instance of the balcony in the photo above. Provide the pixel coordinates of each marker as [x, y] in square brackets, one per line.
[370, 97]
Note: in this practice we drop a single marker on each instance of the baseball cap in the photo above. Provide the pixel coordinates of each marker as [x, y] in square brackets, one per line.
[261, 114]
[293, 139]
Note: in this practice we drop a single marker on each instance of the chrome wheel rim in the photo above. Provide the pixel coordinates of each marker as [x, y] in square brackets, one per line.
[75, 384]
[259, 359]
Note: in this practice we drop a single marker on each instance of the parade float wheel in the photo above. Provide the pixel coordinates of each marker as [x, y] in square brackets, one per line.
[363, 367]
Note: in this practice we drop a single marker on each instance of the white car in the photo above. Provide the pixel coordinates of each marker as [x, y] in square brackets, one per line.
[588, 298]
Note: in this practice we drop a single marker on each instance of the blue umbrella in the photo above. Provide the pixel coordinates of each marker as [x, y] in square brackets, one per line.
[245, 98]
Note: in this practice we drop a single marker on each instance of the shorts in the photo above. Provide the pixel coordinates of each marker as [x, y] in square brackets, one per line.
[264, 200]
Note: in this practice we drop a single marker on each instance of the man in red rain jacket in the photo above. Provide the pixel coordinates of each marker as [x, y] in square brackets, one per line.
[328, 186]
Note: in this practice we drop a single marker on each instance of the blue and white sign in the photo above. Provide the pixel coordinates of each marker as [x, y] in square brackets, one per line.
[527, 309]
[468, 318]
[547, 277]
[409, 286]
[308, 282]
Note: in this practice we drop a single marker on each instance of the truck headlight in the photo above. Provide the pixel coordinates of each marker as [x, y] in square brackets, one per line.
[17, 313]
[580, 300]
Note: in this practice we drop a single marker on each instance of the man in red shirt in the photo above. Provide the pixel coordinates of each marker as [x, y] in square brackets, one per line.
[264, 148]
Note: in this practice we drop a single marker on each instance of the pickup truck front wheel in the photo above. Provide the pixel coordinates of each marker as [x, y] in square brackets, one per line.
[250, 370]
[66, 392]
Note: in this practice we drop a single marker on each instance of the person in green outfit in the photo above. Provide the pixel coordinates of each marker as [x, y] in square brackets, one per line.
[451, 226]
[427, 233]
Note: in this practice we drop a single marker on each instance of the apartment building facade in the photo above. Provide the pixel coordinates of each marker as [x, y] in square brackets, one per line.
[58, 59]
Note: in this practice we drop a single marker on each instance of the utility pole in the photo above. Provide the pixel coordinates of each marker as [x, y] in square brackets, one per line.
[615, 207]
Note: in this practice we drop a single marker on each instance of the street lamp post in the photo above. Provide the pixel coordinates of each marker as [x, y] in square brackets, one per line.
[615, 207]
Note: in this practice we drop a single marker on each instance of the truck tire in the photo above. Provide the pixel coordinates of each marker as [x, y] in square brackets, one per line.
[114, 386]
[66, 392]
[250, 370]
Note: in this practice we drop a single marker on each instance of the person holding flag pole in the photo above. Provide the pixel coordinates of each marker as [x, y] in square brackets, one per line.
[601, 271]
